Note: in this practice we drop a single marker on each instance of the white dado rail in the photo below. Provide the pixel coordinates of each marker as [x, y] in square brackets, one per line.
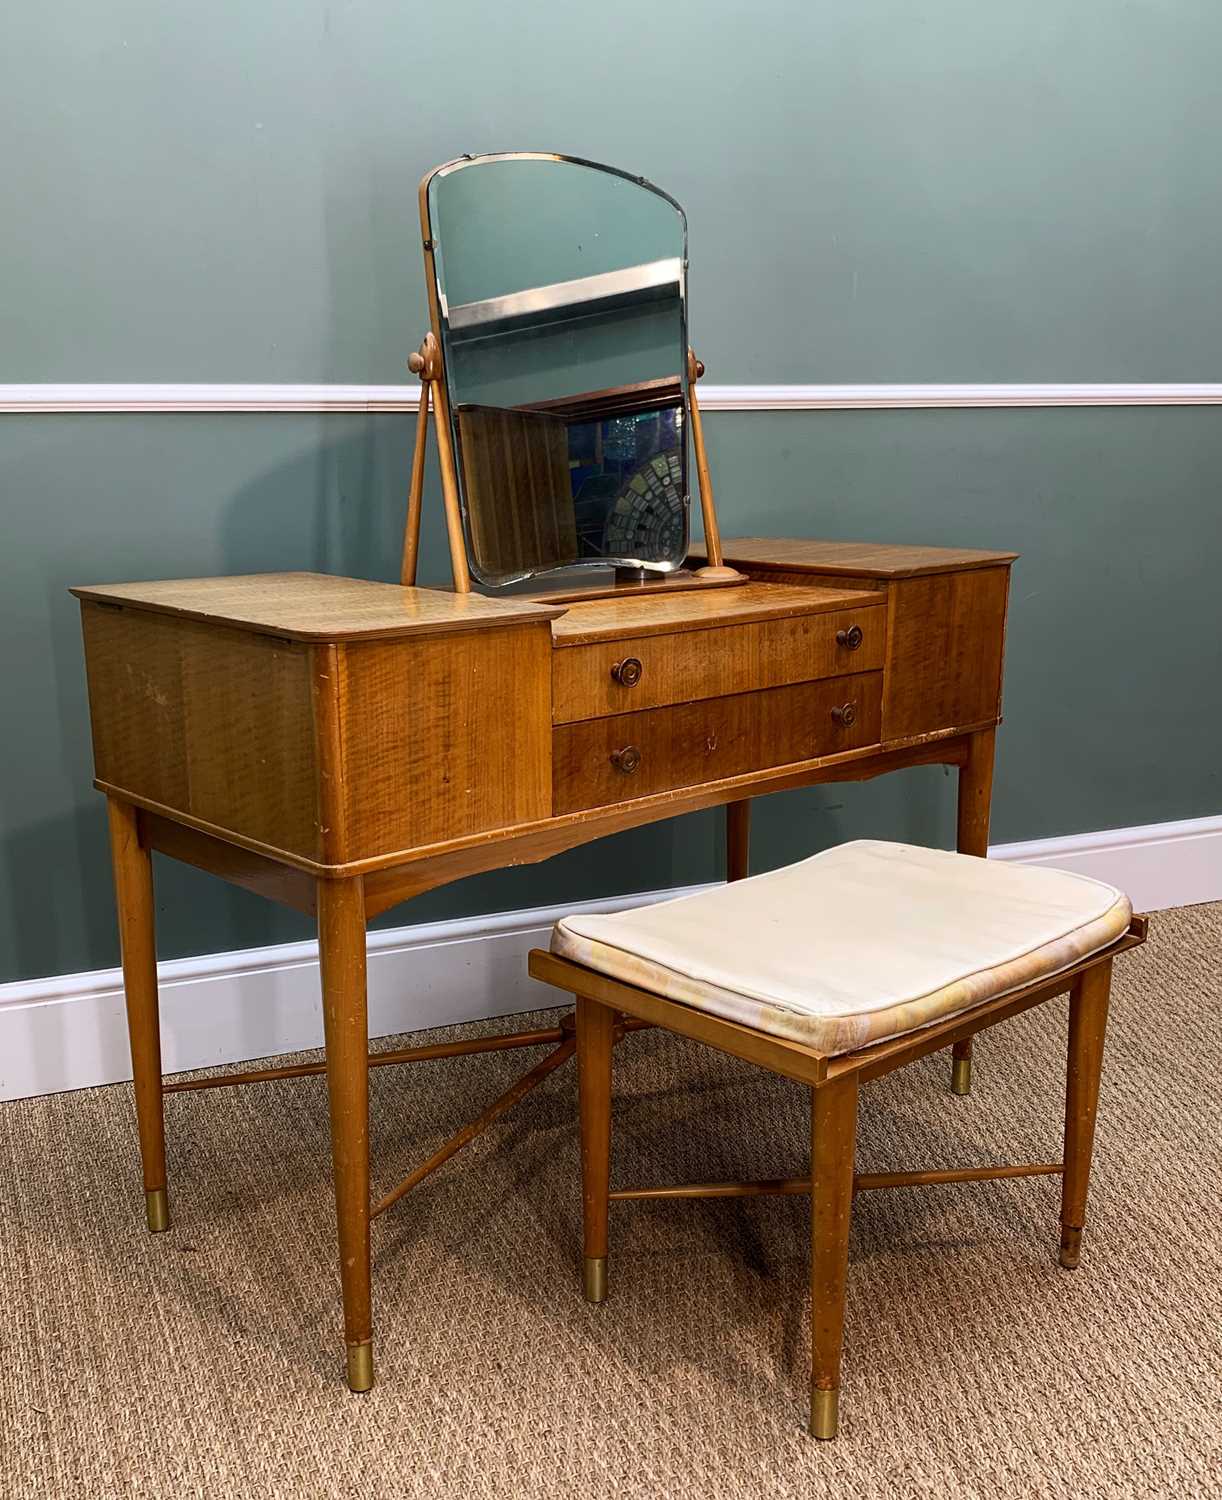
[392, 398]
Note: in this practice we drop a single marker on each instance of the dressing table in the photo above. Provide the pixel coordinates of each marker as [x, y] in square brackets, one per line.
[341, 745]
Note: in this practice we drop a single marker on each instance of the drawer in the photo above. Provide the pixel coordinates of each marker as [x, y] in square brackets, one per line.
[649, 671]
[623, 756]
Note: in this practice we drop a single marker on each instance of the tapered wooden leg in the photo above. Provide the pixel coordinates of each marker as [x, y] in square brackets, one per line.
[133, 869]
[595, 1039]
[975, 800]
[975, 794]
[1088, 1004]
[833, 1144]
[341, 940]
[738, 840]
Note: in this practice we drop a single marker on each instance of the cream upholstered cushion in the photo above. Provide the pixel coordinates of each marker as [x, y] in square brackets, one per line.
[862, 942]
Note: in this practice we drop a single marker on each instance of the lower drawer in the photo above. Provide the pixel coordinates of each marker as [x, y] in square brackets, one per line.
[618, 758]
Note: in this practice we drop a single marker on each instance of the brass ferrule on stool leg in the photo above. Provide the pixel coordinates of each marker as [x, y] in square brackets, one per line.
[961, 1076]
[595, 1278]
[1071, 1247]
[360, 1366]
[824, 1413]
[157, 1207]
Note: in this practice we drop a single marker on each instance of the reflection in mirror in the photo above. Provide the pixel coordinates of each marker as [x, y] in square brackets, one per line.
[560, 290]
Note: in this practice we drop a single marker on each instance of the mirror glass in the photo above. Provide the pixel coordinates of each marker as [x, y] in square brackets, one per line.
[560, 291]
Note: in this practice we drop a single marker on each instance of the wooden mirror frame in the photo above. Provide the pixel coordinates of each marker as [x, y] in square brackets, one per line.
[428, 364]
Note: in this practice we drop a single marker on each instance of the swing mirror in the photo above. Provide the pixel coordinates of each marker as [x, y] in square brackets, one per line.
[558, 290]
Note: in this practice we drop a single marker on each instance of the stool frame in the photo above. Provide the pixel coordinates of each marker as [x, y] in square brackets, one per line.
[607, 1006]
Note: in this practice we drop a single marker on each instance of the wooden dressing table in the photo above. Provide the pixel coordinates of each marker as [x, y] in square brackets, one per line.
[341, 746]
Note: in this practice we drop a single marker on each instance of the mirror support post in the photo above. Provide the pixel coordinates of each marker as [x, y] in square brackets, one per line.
[715, 567]
[415, 491]
[426, 363]
[429, 368]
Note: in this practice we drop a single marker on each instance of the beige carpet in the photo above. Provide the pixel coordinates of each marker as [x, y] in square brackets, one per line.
[207, 1361]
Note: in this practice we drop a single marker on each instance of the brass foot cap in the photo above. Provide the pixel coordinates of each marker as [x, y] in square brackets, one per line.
[360, 1366]
[1071, 1248]
[157, 1207]
[824, 1414]
[961, 1076]
[595, 1278]
[708, 571]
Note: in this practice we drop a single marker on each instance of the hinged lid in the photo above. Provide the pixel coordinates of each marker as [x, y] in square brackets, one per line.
[317, 606]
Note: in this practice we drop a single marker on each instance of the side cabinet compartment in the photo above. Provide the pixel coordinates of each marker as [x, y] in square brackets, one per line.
[443, 736]
[206, 722]
[944, 652]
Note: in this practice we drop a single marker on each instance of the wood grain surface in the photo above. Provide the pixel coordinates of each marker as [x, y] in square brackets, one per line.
[444, 737]
[317, 606]
[699, 742]
[210, 722]
[727, 659]
[697, 609]
[868, 559]
[944, 651]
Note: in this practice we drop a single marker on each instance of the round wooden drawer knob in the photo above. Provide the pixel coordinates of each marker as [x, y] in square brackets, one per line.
[850, 637]
[846, 714]
[626, 760]
[627, 672]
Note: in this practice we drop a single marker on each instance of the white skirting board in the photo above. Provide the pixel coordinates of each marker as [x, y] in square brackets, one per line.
[68, 1032]
[1157, 865]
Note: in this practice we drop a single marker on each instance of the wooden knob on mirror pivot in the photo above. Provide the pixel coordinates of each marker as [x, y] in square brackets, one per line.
[627, 672]
[850, 637]
[846, 714]
[415, 362]
[626, 760]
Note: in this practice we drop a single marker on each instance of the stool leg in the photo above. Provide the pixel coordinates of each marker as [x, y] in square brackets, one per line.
[595, 1038]
[961, 1067]
[341, 941]
[1088, 1004]
[738, 840]
[133, 867]
[833, 1143]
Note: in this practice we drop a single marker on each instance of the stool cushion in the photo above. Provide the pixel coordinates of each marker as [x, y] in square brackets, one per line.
[862, 942]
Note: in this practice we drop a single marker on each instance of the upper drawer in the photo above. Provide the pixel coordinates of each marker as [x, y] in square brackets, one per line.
[650, 671]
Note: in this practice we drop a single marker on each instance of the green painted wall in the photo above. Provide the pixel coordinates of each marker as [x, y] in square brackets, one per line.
[877, 191]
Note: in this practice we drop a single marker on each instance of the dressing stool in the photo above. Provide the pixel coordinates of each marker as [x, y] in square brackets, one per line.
[833, 972]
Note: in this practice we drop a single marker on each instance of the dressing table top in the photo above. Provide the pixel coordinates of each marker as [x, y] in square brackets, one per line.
[321, 607]
[862, 559]
[698, 609]
[318, 606]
